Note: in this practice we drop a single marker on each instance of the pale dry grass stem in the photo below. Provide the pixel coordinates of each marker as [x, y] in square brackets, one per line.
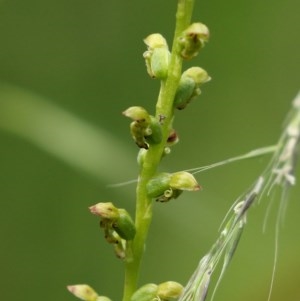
[279, 173]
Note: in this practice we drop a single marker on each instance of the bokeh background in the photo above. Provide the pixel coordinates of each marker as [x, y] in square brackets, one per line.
[67, 71]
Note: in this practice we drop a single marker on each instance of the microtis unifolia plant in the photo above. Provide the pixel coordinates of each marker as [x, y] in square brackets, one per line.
[154, 136]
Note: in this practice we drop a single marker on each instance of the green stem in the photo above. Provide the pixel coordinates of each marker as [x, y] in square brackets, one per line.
[164, 111]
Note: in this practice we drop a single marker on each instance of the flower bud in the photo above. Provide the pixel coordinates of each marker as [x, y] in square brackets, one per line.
[158, 185]
[183, 180]
[193, 40]
[157, 56]
[124, 225]
[147, 292]
[189, 86]
[169, 290]
[83, 292]
[105, 210]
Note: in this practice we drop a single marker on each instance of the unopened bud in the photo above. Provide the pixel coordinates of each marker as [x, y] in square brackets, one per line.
[183, 180]
[193, 40]
[169, 290]
[83, 292]
[124, 225]
[157, 56]
[189, 86]
[147, 292]
[105, 210]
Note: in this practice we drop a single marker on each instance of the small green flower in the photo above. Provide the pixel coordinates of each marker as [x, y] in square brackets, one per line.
[193, 40]
[157, 56]
[189, 86]
[166, 186]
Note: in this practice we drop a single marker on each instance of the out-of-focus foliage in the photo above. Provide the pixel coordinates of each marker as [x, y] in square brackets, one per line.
[84, 58]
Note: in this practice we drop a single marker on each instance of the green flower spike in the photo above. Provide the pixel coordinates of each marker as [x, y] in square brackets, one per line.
[124, 225]
[193, 40]
[189, 86]
[169, 290]
[147, 292]
[157, 56]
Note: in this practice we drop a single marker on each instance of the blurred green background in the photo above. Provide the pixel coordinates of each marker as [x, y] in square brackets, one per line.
[67, 71]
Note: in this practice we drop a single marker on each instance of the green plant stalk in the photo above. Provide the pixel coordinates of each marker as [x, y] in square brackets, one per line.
[164, 112]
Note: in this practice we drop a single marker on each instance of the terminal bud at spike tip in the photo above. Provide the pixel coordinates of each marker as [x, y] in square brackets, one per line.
[157, 56]
[189, 86]
[193, 40]
[169, 290]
